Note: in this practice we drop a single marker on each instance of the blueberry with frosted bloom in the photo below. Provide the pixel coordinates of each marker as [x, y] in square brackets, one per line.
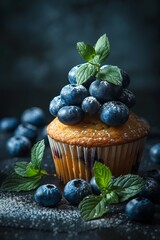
[114, 113]
[90, 105]
[104, 91]
[73, 94]
[55, 105]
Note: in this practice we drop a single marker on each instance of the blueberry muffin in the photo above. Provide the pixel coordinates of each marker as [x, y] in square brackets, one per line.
[93, 119]
[75, 148]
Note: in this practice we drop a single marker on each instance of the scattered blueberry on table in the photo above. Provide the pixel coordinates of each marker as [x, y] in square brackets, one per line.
[94, 186]
[75, 190]
[48, 195]
[151, 190]
[18, 146]
[35, 116]
[140, 209]
[27, 130]
[153, 173]
[8, 124]
[155, 153]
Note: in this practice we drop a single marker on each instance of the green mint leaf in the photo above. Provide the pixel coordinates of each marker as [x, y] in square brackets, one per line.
[37, 153]
[110, 74]
[95, 61]
[20, 168]
[92, 207]
[112, 197]
[25, 169]
[130, 185]
[102, 175]
[102, 48]
[84, 72]
[86, 51]
[18, 183]
[31, 171]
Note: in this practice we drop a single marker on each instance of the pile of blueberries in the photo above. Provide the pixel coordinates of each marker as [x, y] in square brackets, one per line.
[112, 102]
[141, 208]
[25, 132]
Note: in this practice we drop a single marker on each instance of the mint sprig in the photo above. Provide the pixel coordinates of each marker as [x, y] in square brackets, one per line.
[113, 191]
[86, 51]
[17, 183]
[95, 56]
[110, 74]
[92, 207]
[102, 48]
[84, 72]
[102, 175]
[27, 175]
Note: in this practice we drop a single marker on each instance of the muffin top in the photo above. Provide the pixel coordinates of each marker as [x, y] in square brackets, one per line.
[92, 132]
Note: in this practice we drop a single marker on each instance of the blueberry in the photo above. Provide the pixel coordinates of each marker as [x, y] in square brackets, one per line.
[155, 153]
[151, 190]
[72, 74]
[75, 190]
[128, 98]
[90, 105]
[27, 130]
[34, 116]
[154, 173]
[72, 77]
[140, 209]
[70, 115]
[56, 104]
[104, 91]
[125, 79]
[48, 195]
[94, 186]
[73, 94]
[18, 146]
[8, 124]
[114, 113]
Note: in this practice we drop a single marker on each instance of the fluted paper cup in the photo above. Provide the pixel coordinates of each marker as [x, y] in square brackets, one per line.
[73, 161]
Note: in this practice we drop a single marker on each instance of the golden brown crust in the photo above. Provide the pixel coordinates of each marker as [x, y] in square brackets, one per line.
[92, 132]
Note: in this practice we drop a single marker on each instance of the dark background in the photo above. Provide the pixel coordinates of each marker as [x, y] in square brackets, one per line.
[38, 48]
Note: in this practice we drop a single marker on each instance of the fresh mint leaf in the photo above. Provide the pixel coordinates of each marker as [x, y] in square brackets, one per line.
[31, 171]
[130, 185]
[102, 48]
[112, 197]
[18, 183]
[86, 51]
[20, 168]
[95, 61]
[84, 72]
[92, 207]
[25, 169]
[37, 153]
[102, 175]
[110, 74]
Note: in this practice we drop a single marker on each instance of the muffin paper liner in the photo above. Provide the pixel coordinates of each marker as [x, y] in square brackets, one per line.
[73, 161]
